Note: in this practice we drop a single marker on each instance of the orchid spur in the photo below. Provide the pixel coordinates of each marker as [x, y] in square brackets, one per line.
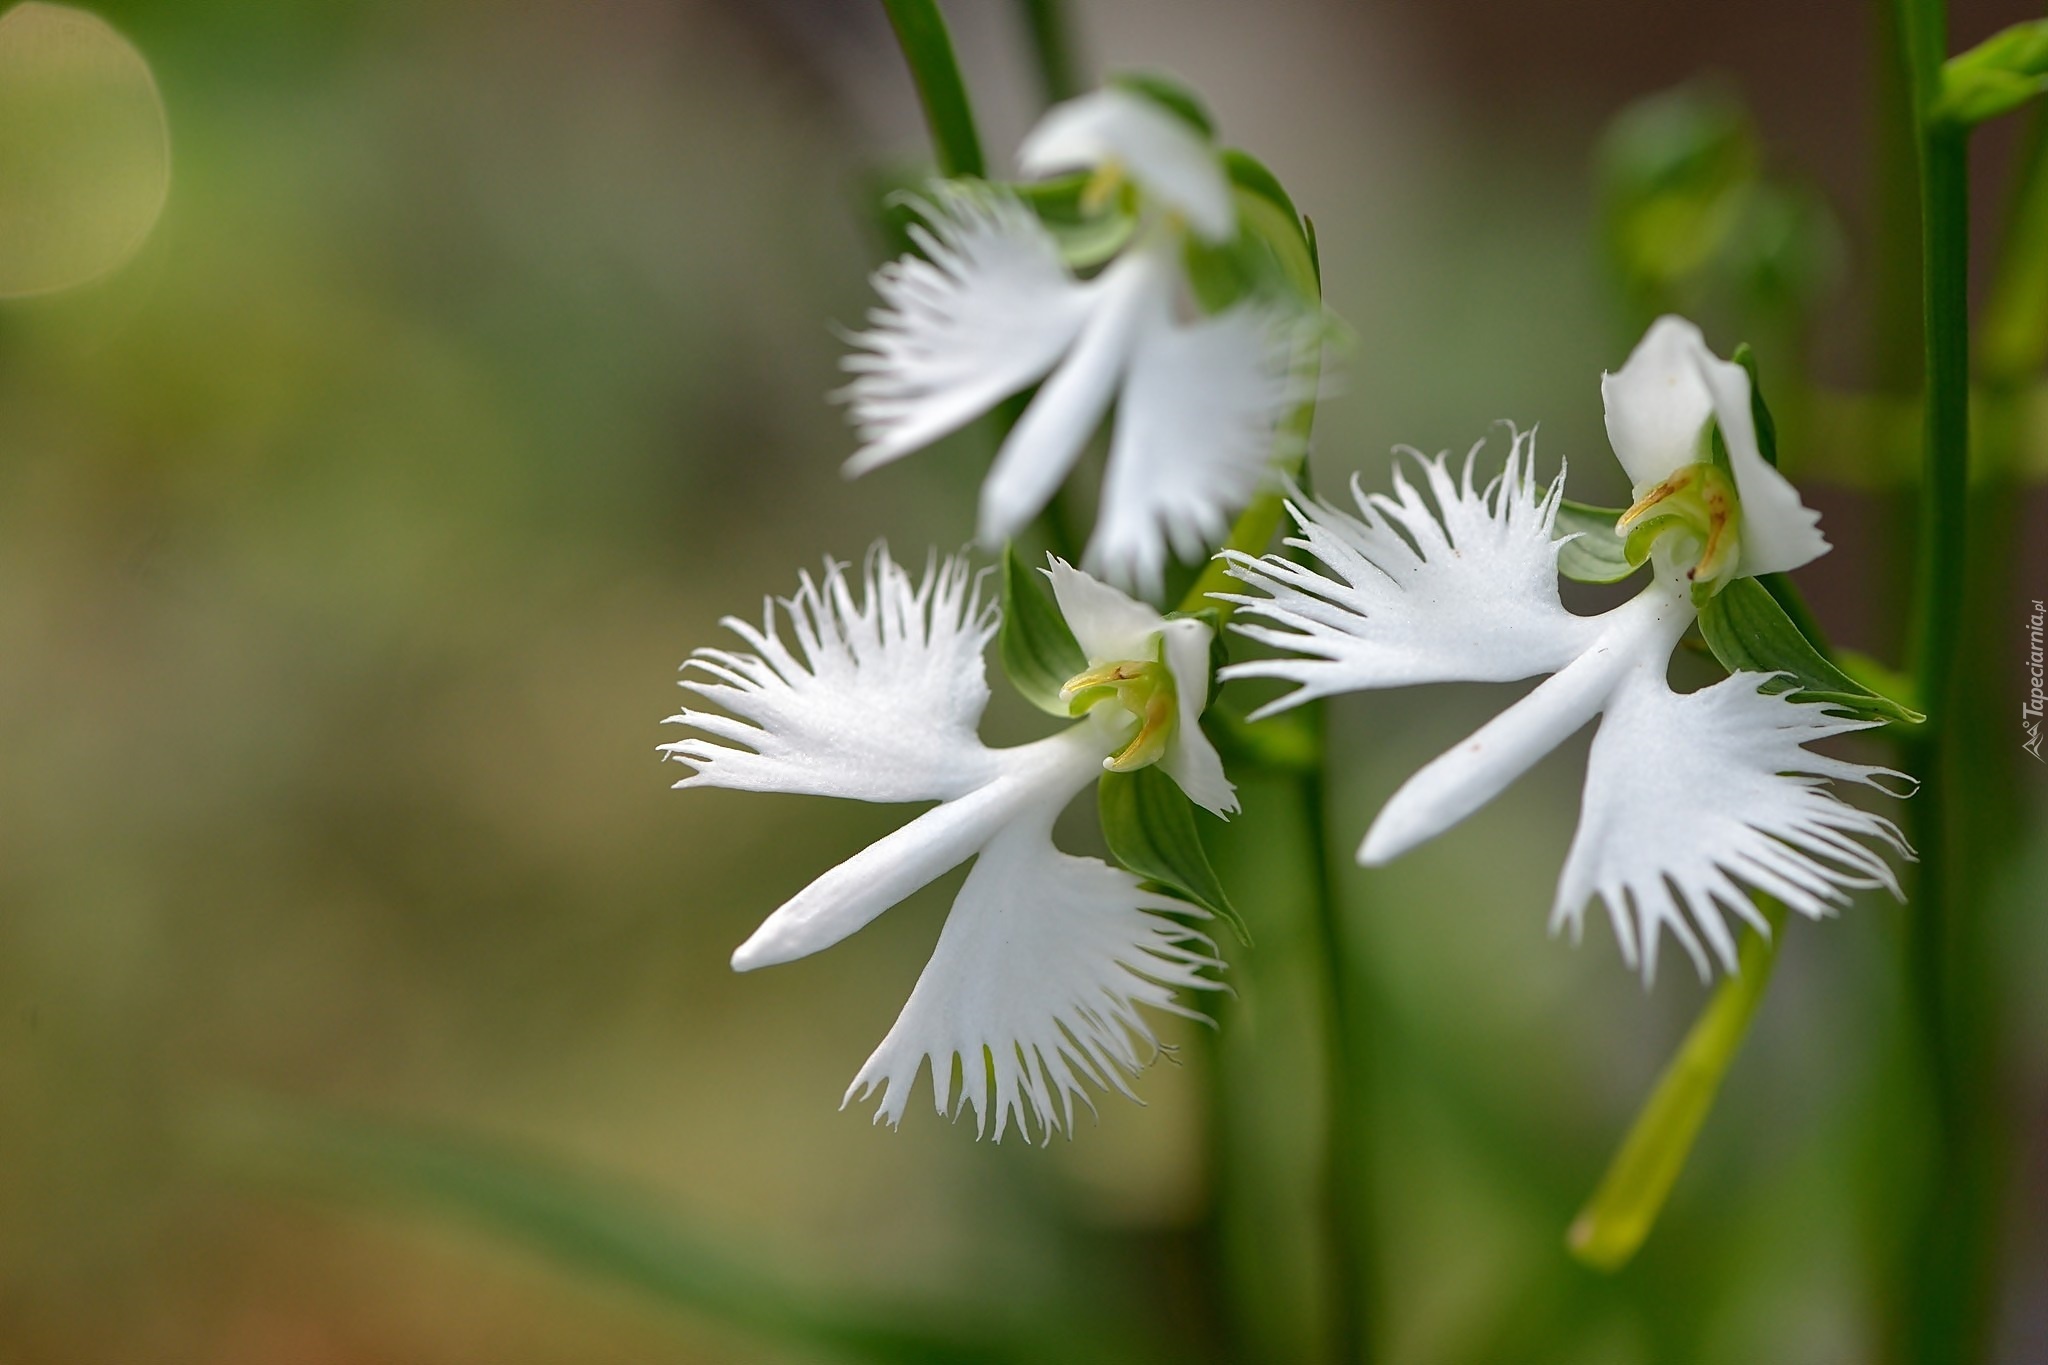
[992, 307]
[1045, 959]
[1690, 799]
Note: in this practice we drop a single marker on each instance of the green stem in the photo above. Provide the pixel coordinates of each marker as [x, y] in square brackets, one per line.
[1949, 1266]
[928, 49]
[1052, 44]
[1347, 1198]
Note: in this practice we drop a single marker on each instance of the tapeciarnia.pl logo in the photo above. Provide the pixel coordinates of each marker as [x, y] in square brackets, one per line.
[2037, 695]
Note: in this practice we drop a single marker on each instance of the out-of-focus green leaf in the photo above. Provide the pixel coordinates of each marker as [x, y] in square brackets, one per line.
[1268, 214]
[1149, 824]
[1038, 649]
[1749, 631]
[1598, 555]
[608, 1230]
[1624, 1208]
[1995, 77]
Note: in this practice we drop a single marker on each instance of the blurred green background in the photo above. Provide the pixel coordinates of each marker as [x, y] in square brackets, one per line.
[361, 982]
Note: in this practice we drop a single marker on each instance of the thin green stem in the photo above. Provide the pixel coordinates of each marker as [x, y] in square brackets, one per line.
[1052, 44]
[1949, 1267]
[928, 49]
[1347, 1198]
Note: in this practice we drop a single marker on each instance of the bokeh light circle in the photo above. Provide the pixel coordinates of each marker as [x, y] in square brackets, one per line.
[85, 160]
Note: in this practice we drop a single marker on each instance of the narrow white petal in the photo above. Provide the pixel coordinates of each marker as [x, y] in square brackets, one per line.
[878, 702]
[1171, 161]
[1692, 800]
[1658, 403]
[1035, 988]
[1191, 760]
[1779, 532]
[987, 310]
[1196, 437]
[1107, 624]
[1046, 774]
[1405, 594]
[1067, 408]
[1637, 639]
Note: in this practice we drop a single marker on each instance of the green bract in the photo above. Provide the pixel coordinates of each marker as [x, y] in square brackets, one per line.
[1038, 650]
[1748, 630]
[1149, 824]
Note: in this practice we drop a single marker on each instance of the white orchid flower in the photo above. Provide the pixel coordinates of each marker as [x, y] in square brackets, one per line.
[1689, 798]
[991, 308]
[1045, 959]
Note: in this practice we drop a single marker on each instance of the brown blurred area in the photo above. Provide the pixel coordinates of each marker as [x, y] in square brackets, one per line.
[350, 538]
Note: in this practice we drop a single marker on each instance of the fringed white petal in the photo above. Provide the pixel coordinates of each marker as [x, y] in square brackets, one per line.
[986, 311]
[1692, 798]
[1197, 435]
[878, 700]
[1046, 774]
[1171, 161]
[1066, 410]
[1190, 759]
[1036, 987]
[1658, 406]
[1634, 638]
[1404, 594]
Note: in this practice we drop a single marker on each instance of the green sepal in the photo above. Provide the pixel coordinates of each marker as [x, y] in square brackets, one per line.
[1748, 631]
[1170, 95]
[1598, 555]
[1267, 214]
[1037, 648]
[1995, 77]
[1149, 824]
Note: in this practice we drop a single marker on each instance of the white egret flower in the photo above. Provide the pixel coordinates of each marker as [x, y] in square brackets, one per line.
[1045, 959]
[1689, 798]
[990, 308]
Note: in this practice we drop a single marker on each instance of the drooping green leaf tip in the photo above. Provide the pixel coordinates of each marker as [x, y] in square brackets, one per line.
[1170, 94]
[1748, 630]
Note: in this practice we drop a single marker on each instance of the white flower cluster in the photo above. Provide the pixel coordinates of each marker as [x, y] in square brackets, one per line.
[871, 685]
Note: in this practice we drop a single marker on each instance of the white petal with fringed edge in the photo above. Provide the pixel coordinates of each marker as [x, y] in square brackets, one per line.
[1406, 593]
[986, 311]
[1196, 436]
[1036, 986]
[1044, 964]
[1658, 407]
[879, 702]
[1688, 798]
[1691, 797]
[1170, 160]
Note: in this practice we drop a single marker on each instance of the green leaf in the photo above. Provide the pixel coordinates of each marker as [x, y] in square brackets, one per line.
[603, 1228]
[1749, 631]
[928, 49]
[1760, 411]
[1169, 94]
[1038, 649]
[1268, 216]
[1624, 1208]
[1149, 824]
[1995, 77]
[1598, 555]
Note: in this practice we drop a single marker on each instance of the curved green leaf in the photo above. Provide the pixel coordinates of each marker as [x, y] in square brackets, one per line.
[1749, 631]
[1149, 824]
[1037, 647]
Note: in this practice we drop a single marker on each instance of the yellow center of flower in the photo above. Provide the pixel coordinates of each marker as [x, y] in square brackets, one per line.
[1697, 503]
[1145, 689]
[1102, 186]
